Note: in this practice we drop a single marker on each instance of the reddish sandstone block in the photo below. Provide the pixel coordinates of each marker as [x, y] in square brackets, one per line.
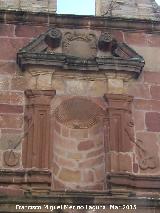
[65, 162]
[152, 120]
[141, 104]
[4, 97]
[18, 83]
[125, 162]
[155, 105]
[153, 40]
[4, 82]
[10, 140]
[55, 168]
[29, 30]
[17, 98]
[85, 145]
[139, 120]
[91, 163]
[5, 108]
[95, 152]
[57, 185]
[88, 176]
[139, 91]
[66, 143]
[96, 129]
[155, 92]
[118, 35]
[152, 77]
[7, 30]
[79, 133]
[69, 175]
[10, 191]
[75, 155]
[59, 151]
[11, 121]
[57, 127]
[100, 172]
[10, 47]
[65, 131]
[135, 38]
[8, 68]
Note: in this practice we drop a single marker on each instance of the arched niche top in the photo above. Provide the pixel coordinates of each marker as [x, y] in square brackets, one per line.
[79, 113]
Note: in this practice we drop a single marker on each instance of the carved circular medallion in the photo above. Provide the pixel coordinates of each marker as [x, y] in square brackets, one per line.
[11, 158]
[78, 113]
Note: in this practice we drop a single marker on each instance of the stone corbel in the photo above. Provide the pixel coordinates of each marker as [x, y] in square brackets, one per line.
[120, 133]
[37, 145]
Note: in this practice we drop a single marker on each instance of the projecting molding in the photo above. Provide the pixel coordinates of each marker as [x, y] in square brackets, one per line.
[83, 51]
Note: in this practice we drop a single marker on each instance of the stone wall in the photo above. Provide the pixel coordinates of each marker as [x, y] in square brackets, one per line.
[146, 104]
[143, 9]
[33, 5]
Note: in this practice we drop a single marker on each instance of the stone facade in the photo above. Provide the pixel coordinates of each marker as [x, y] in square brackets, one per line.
[142, 9]
[84, 125]
[48, 6]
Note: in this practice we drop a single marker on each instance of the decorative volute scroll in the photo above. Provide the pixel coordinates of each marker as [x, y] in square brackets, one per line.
[81, 51]
[120, 133]
[37, 144]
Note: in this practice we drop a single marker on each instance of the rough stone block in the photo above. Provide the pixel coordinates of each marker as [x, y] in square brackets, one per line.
[155, 92]
[4, 82]
[88, 176]
[152, 120]
[139, 90]
[9, 141]
[7, 30]
[91, 163]
[6, 108]
[139, 120]
[95, 152]
[17, 98]
[11, 46]
[29, 31]
[135, 38]
[79, 134]
[4, 97]
[11, 121]
[141, 104]
[85, 145]
[115, 86]
[18, 83]
[68, 175]
[64, 162]
[152, 77]
[8, 68]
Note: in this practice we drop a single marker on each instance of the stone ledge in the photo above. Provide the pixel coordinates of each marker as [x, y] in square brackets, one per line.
[139, 185]
[27, 180]
[66, 21]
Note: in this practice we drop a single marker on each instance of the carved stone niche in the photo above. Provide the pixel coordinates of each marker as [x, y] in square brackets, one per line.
[37, 144]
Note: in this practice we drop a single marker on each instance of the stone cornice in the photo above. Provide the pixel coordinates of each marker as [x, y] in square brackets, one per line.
[67, 21]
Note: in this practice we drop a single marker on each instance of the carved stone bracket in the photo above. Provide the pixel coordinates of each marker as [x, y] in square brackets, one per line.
[120, 132]
[37, 143]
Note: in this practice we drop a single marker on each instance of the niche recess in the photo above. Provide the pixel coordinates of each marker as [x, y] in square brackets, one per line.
[86, 141]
